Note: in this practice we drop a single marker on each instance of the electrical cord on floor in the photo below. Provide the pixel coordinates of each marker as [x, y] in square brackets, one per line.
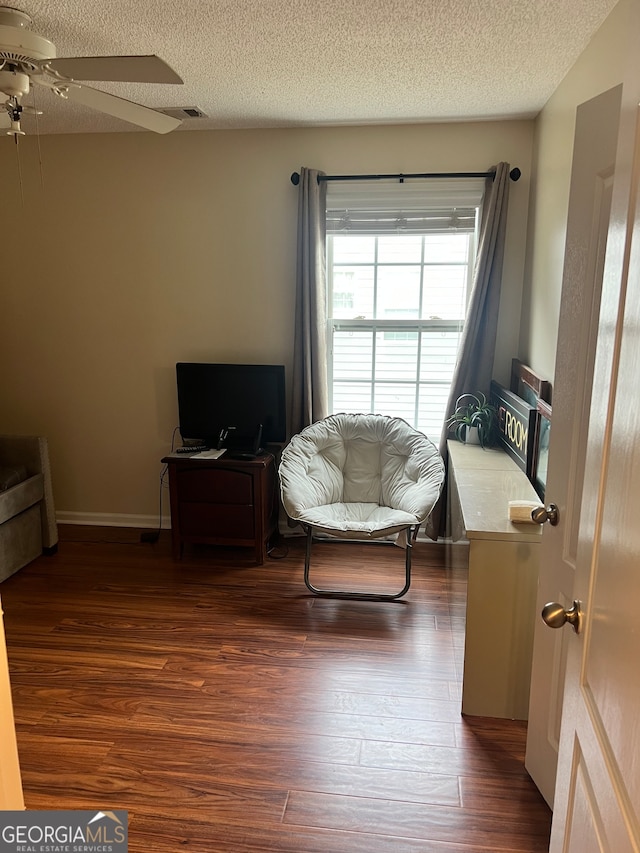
[282, 549]
[152, 536]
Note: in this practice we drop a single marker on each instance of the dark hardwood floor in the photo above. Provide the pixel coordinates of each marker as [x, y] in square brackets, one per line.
[229, 711]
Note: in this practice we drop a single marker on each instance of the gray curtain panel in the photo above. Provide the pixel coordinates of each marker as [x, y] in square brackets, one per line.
[474, 367]
[310, 397]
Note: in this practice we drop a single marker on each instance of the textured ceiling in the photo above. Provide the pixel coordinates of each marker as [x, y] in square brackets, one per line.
[279, 63]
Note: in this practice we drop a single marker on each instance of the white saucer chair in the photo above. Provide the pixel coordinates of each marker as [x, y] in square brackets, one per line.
[360, 477]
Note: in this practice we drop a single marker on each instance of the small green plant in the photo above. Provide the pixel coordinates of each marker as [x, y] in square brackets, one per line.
[474, 410]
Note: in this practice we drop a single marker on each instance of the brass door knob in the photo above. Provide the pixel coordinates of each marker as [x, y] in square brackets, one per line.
[542, 514]
[555, 616]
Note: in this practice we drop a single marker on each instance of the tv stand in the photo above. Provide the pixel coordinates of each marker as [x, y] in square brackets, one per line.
[223, 501]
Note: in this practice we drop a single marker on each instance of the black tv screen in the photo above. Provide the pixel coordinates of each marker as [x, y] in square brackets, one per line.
[213, 398]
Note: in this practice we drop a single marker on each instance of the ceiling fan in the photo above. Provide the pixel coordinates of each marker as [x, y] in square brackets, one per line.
[27, 58]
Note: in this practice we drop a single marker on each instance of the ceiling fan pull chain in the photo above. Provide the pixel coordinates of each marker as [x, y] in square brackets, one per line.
[15, 136]
[36, 113]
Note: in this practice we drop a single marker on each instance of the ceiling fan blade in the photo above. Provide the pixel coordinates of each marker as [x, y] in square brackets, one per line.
[118, 69]
[121, 108]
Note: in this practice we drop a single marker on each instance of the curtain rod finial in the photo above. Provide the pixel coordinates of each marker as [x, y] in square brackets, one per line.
[295, 178]
[515, 174]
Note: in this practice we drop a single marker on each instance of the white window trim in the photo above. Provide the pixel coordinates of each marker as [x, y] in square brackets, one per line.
[439, 196]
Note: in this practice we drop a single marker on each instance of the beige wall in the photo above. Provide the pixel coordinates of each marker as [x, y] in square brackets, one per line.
[143, 250]
[600, 67]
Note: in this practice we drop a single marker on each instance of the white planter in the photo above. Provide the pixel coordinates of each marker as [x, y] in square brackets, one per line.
[471, 435]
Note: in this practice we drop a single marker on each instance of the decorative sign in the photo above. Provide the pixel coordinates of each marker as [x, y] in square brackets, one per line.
[517, 426]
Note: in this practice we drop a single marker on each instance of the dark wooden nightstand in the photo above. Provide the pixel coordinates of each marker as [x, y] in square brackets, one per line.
[223, 501]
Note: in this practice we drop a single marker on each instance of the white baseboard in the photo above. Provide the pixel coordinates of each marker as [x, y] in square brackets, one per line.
[110, 519]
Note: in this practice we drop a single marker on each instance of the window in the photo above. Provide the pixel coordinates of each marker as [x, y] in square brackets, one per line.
[399, 263]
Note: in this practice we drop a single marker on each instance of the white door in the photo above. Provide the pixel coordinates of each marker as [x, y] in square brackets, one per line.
[594, 155]
[597, 804]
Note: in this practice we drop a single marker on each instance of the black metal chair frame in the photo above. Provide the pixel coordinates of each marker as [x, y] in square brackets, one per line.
[411, 531]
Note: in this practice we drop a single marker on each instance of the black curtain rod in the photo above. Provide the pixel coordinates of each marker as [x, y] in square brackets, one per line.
[514, 174]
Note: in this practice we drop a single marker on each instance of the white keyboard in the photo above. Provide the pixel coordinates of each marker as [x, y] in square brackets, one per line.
[208, 454]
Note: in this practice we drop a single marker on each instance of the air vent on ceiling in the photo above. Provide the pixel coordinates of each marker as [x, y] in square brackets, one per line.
[183, 112]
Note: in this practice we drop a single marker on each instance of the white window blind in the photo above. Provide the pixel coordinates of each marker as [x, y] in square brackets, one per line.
[399, 263]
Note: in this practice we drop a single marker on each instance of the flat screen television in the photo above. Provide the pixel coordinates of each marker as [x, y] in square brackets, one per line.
[232, 402]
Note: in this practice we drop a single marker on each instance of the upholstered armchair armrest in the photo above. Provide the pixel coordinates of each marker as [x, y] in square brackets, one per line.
[20, 497]
[33, 453]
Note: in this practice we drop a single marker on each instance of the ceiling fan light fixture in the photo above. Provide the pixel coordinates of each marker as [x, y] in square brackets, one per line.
[14, 84]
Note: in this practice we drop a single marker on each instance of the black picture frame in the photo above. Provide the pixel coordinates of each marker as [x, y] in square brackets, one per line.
[528, 384]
